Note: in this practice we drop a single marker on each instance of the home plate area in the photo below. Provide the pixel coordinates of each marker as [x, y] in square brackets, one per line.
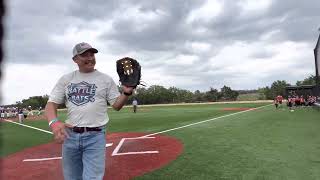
[128, 155]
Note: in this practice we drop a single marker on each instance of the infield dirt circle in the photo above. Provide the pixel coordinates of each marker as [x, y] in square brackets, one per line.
[128, 155]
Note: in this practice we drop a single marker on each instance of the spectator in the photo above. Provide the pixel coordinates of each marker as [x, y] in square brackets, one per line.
[135, 105]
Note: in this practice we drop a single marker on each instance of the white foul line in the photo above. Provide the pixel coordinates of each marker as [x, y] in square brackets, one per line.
[42, 159]
[28, 126]
[203, 121]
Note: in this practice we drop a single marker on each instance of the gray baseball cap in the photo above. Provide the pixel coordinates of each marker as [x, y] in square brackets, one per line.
[83, 47]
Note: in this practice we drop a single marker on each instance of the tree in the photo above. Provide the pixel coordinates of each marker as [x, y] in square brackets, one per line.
[228, 94]
[198, 96]
[186, 96]
[34, 102]
[311, 80]
[267, 92]
[262, 95]
[212, 95]
[278, 88]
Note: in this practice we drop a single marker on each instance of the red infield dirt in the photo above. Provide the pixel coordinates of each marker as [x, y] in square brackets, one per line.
[130, 155]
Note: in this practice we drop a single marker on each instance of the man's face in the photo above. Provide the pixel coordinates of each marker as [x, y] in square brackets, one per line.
[86, 61]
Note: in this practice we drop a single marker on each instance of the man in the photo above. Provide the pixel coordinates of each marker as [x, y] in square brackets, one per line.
[85, 93]
[279, 99]
[276, 102]
[302, 101]
[290, 102]
[20, 115]
[39, 111]
[135, 105]
[30, 112]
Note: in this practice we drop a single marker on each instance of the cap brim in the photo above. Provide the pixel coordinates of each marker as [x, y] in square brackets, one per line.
[94, 50]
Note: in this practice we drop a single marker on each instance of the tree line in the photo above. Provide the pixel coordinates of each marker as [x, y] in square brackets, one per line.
[160, 95]
[154, 94]
[157, 94]
[278, 87]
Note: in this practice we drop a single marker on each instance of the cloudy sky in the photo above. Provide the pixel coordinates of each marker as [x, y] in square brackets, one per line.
[189, 44]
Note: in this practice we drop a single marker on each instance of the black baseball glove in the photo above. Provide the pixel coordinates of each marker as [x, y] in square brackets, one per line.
[129, 71]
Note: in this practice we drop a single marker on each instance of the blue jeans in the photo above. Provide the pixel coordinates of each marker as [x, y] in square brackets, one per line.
[83, 155]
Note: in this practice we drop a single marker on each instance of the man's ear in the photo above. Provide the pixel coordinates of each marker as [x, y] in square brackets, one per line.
[75, 58]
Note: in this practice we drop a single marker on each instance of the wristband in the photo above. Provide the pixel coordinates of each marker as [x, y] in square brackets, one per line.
[53, 121]
[127, 94]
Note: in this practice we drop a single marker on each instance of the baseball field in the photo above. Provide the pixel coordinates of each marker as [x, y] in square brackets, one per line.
[249, 141]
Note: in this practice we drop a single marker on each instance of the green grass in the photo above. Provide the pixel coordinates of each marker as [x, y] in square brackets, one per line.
[15, 138]
[266, 143]
[157, 118]
[263, 144]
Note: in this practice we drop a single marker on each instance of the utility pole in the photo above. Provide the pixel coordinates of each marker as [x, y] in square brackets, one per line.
[317, 64]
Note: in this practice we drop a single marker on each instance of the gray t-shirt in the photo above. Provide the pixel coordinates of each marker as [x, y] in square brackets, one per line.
[86, 96]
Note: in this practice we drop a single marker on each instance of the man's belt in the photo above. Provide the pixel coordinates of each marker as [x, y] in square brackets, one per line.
[85, 129]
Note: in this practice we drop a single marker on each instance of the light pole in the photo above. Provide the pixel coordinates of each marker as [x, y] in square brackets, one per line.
[317, 64]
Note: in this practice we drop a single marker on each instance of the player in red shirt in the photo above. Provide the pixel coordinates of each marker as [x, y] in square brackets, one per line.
[279, 99]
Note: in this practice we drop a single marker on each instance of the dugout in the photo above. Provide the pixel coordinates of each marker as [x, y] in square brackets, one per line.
[305, 90]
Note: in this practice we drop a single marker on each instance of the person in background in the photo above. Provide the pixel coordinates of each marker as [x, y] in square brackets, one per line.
[276, 103]
[302, 101]
[30, 112]
[279, 99]
[39, 111]
[135, 105]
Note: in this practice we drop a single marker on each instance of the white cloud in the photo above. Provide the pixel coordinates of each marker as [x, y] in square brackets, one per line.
[198, 47]
[141, 19]
[250, 7]
[75, 34]
[270, 35]
[206, 12]
[187, 44]
[243, 70]
[21, 81]
[182, 60]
